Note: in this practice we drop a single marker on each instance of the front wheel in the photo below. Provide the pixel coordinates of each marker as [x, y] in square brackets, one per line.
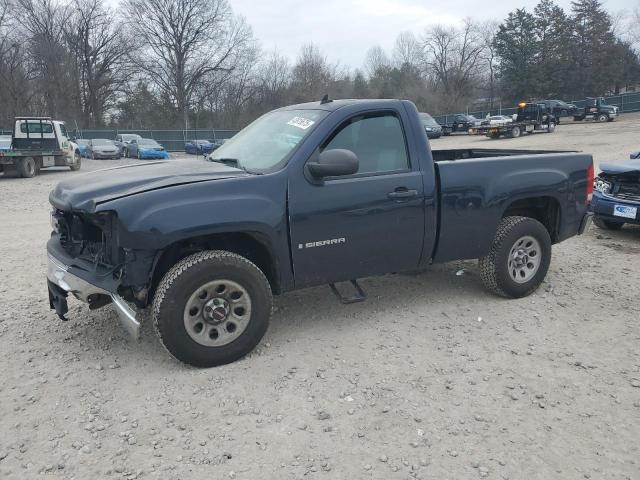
[519, 257]
[212, 308]
[515, 132]
[552, 127]
[603, 118]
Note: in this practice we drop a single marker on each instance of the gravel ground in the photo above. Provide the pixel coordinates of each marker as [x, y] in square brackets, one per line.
[431, 378]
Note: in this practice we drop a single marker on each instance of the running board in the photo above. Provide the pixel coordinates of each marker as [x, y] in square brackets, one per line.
[360, 295]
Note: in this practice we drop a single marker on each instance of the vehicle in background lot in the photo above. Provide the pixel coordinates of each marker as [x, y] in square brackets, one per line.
[559, 108]
[358, 193]
[39, 142]
[596, 109]
[102, 148]
[431, 127]
[5, 143]
[531, 117]
[200, 147]
[82, 146]
[497, 120]
[124, 138]
[145, 148]
[616, 196]
[463, 122]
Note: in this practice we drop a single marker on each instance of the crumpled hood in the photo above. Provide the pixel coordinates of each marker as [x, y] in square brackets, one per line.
[84, 192]
[632, 166]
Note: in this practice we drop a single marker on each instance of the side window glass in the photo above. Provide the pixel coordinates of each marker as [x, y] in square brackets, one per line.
[377, 140]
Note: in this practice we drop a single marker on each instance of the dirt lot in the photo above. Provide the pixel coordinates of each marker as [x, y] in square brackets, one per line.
[431, 378]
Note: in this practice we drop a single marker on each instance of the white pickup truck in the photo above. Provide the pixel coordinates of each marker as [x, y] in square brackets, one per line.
[39, 142]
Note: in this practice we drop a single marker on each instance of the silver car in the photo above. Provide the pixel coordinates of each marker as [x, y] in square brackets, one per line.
[101, 148]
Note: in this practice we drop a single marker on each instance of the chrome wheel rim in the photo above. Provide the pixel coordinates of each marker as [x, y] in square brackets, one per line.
[217, 313]
[524, 259]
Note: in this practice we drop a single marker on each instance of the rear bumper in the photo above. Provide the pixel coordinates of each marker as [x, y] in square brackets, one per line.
[604, 206]
[87, 286]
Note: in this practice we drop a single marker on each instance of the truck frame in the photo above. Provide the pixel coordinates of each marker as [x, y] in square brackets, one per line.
[36, 143]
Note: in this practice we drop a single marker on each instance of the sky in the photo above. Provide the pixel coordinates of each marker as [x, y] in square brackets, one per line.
[345, 29]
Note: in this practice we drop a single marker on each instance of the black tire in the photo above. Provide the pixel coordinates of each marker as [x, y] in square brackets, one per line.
[27, 167]
[494, 136]
[125, 153]
[552, 127]
[603, 117]
[77, 162]
[515, 132]
[183, 280]
[494, 268]
[607, 224]
[577, 119]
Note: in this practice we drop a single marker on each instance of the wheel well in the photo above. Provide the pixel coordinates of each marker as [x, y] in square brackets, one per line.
[249, 245]
[544, 209]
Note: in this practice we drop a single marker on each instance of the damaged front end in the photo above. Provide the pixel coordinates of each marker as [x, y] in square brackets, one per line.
[617, 192]
[86, 260]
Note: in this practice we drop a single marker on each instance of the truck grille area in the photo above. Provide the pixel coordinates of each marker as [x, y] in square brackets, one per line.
[84, 236]
[627, 191]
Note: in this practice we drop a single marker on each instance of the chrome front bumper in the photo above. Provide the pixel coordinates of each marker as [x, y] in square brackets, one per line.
[58, 274]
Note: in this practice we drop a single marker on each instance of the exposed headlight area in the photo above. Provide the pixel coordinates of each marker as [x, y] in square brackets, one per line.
[602, 185]
[87, 236]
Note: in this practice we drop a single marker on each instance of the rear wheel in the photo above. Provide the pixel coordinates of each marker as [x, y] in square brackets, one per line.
[212, 308]
[516, 132]
[519, 257]
[607, 224]
[27, 167]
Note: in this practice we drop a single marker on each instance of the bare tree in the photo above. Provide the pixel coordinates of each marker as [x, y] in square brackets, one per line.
[489, 56]
[454, 57]
[274, 78]
[375, 61]
[183, 41]
[312, 74]
[407, 51]
[99, 50]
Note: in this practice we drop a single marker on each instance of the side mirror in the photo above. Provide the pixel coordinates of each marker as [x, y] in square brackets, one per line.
[334, 163]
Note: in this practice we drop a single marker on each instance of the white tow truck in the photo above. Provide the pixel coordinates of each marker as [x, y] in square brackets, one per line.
[39, 142]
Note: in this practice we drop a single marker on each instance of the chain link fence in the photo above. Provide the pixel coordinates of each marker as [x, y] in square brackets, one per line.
[171, 140]
[626, 102]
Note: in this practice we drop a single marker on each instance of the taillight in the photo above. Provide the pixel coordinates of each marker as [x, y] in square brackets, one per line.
[590, 180]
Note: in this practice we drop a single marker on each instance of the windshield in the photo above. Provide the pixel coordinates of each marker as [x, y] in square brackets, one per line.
[270, 139]
[148, 143]
[101, 142]
[427, 120]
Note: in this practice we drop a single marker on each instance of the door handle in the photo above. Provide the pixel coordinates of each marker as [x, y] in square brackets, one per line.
[402, 193]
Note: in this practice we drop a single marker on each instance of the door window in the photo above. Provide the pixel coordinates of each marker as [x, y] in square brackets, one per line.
[377, 140]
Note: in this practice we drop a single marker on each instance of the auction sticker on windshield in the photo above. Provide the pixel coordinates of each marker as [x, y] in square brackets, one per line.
[300, 122]
[625, 212]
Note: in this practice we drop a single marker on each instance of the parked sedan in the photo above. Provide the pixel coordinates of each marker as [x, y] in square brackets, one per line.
[431, 127]
[463, 122]
[82, 146]
[5, 143]
[101, 148]
[145, 148]
[495, 120]
[616, 196]
[123, 138]
[200, 147]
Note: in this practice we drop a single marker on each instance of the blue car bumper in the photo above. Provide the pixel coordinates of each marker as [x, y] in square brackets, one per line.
[154, 154]
[614, 209]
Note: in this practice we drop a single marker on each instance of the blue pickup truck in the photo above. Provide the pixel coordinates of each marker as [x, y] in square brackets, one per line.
[311, 194]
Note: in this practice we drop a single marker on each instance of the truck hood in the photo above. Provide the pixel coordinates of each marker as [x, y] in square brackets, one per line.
[84, 192]
[632, 166]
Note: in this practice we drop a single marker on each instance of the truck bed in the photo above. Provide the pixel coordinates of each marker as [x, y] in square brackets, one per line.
[477, 187]
[471, 153]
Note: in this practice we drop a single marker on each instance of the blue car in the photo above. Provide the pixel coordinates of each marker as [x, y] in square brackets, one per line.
[616, 196]
[82, 146]
[200, 147]
[144, 148]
